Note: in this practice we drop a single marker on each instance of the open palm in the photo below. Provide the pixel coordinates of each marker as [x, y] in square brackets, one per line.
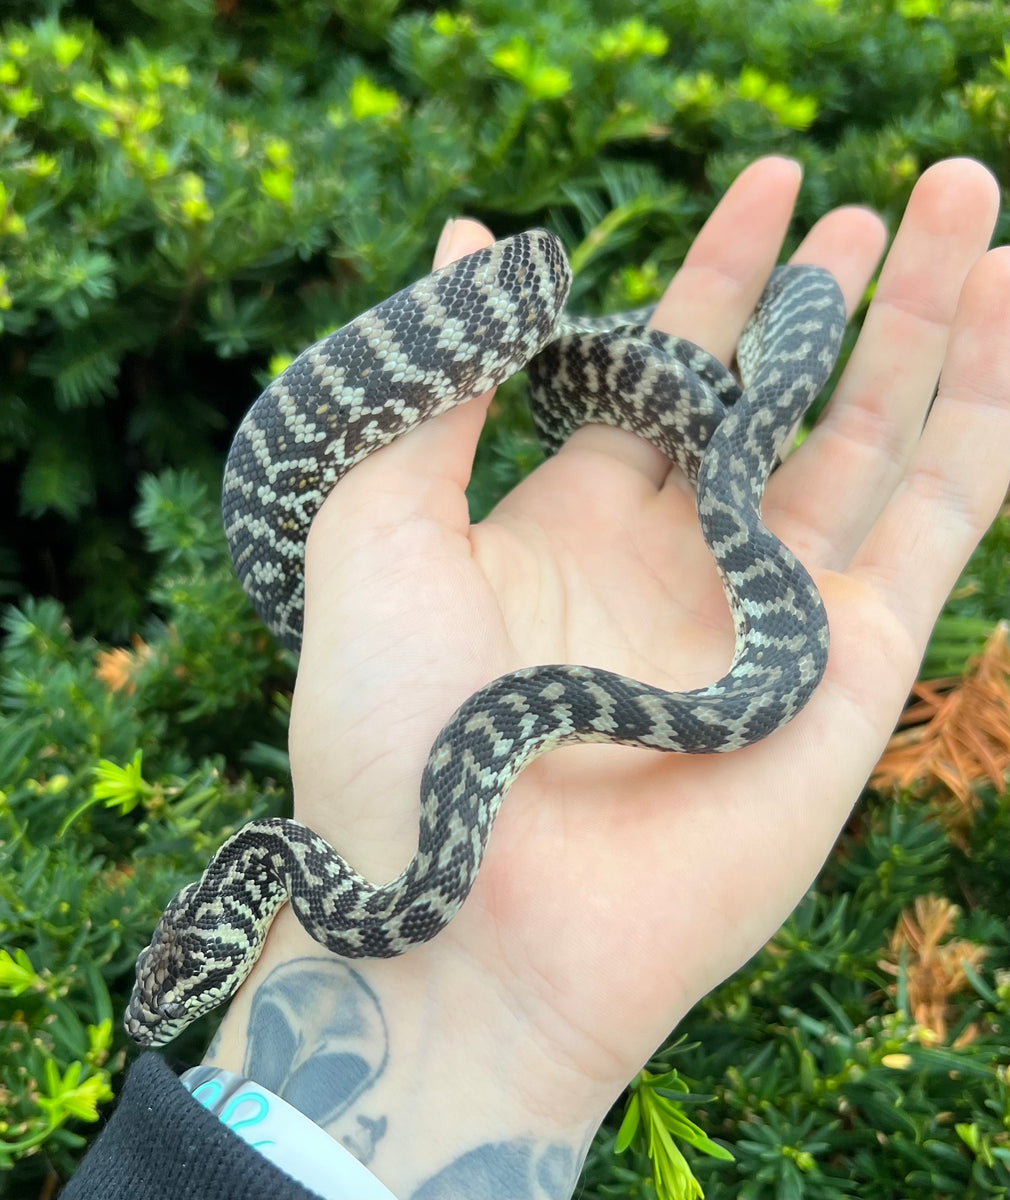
[621, 884]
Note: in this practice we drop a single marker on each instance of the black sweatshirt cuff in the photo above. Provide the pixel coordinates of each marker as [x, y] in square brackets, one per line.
[161, 1144]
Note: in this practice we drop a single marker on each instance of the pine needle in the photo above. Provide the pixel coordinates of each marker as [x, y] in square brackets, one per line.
[117, 667]
[934, 966]
[955, 735]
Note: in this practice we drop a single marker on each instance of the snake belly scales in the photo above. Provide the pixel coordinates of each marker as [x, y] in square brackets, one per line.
[442, 341]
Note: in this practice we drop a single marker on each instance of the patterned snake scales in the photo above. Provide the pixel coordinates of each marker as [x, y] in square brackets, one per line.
[440, 342]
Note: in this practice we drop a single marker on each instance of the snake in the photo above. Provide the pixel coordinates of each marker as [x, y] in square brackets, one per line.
[446, 339]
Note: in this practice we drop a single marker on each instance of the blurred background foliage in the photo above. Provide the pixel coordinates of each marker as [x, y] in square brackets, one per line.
[190, 192]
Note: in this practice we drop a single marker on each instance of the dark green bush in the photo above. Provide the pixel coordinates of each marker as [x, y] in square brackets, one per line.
[190, 192]
[193, 191]
[816, 1078]
[119, 770]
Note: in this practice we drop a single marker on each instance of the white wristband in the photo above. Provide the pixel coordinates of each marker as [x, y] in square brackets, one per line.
[285, 1136]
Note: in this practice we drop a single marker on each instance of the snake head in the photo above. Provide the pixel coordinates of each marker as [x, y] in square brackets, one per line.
[182, 975]
[158, 1012]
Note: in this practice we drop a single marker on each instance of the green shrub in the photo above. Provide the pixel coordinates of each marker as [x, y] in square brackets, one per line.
[189, 193]
[119, 771]
[815, 1076]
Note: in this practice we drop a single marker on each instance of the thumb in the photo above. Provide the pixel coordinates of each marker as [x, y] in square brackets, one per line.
[423, 474]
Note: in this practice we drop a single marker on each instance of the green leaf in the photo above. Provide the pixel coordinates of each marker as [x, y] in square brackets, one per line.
[17, 975]
[629, 1125]
[55, 480]
[369, 101]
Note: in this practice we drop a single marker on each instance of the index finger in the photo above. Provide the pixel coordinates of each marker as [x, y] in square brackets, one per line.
[710, 298]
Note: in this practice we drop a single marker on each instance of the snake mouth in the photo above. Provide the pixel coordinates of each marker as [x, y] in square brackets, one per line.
[148, 1026]
[139, 1031]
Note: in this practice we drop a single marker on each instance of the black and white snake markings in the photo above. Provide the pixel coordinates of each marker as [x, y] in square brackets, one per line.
[445, 339]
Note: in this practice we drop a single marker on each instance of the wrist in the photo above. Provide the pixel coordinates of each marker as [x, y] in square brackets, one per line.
[419, 1065]
[283, 1135]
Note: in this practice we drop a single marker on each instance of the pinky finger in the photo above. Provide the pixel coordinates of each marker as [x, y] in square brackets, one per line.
[958, 476]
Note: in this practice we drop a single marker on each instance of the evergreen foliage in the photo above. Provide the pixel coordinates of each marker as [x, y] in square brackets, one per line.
[191, 191]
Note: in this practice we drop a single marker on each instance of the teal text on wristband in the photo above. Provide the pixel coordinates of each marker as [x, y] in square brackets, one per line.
[283, 1135]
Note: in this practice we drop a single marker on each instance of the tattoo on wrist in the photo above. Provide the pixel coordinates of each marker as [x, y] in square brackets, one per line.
[318, 1038]
[210, 1055]
[522, 1169]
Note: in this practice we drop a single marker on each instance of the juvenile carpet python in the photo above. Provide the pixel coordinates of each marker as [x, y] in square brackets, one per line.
[440, 342]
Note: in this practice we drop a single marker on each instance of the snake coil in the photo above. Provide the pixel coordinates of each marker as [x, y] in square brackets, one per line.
[442, 341]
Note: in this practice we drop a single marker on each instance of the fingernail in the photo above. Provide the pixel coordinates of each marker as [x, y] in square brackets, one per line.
[444, 238]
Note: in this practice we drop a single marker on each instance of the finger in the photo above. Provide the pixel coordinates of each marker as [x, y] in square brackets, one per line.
[849, 242]
[714, 292]
[828, 494]
[445, 446]
[423, 474]
[958, 476]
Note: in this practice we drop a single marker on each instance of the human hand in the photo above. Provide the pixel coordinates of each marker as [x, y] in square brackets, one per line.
[620, 885]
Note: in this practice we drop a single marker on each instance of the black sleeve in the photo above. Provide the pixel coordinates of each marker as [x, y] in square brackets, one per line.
[161, 1144]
